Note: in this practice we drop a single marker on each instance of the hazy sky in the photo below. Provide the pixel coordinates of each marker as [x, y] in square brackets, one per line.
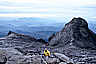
[51, 9]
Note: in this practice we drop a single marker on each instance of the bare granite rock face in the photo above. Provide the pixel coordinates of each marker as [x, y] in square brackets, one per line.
[75, 33]
[20, 42]
[13, 56]
[76, 41]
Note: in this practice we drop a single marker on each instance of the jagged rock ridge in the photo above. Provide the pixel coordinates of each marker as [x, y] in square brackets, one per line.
[75, 34]
[21, 41]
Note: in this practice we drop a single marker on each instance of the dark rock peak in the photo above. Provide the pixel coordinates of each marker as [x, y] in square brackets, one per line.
[10, 32]
[50, 38]
[78, 22]
[22, 36]
[75, 34]
[42, 40]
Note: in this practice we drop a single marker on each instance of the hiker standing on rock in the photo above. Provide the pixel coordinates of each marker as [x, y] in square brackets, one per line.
[46, 53]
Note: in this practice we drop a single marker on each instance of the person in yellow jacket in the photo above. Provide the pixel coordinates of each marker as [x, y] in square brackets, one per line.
[46, 52]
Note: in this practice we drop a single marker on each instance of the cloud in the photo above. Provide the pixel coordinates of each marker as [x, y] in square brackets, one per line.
[52, 3]
[94, 17]
[27, 15]
[47, 8]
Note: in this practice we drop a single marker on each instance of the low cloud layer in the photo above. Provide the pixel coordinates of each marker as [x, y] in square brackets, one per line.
[48, 8]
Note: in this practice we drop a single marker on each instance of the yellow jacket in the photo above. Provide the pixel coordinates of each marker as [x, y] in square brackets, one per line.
[46, 52]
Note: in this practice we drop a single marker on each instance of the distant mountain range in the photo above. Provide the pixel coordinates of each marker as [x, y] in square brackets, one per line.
[92, 26]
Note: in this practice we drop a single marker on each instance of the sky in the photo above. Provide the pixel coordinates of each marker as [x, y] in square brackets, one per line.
[63, 10]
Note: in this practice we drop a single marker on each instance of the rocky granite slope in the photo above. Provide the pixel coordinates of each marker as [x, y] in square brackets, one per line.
[21, 42]
[75, 43]
[75, 33]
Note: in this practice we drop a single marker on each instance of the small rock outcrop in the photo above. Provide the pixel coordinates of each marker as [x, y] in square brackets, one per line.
[62, 57]
[42, 40]
[52, 36]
